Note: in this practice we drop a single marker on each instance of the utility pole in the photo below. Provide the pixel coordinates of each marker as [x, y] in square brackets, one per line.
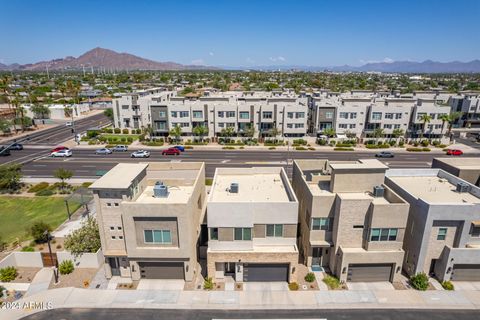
[83, 67]
[48, 75]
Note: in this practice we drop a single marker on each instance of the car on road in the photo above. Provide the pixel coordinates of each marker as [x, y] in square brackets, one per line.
[454, 152]
[103, 151]
[69, 124]
[120, 148]
[180, 148]
[384, 154]
[140, 154]
[59, 148]
[171, 151]
[16, 146]
[62, 153]
[4, 151]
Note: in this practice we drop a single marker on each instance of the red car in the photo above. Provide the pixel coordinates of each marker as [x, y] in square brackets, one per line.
[59, 148]
[454, 152]
[171, 151]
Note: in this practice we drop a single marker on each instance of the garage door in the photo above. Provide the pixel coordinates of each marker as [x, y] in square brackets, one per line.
[369, 272]
[466, 272]
[265, 272]
[161, 270]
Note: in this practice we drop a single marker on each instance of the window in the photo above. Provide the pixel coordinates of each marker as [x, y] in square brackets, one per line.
[385, 234]
[290, 125]
[376, 116]
[353, 115]
[197, 114]
[116, 204]
[213, 233]
[342, 126]
[230, 114]
[352, 126]
[438, 126]
[230, 124]
[432, 115]
[243, 234]
[112, 228]
[113, 237]
[299, 125]
[119, 228]
[300, 115]
[173, 114]
[420, 115]
[221, 125]
[274, 230]
[387, 126]
[321, 224]
[388, 115]
[442, 234]
[290, 115]
[162, 114]
[184, 124]
[398, 116]
[343, 115]
[475, 232]
[396, 126]
[267, 115]
[244, 115]
[329, 115]
[109, 204]
[120, 237]
[220, 114]
[183, 114]
[157, 236]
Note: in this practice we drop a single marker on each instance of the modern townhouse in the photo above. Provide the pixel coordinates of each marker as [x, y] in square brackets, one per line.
[468, 103]
[467, 169]
[389, 114]
[252, 226]
[351, 115]
[442, 237]
[435, 128]
[350, 222]
[149, 218]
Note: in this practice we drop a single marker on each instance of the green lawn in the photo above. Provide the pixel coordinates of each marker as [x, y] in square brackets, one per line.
[120, 136]
[18, 213]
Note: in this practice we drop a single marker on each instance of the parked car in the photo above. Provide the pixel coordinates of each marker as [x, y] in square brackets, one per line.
[59, 148]
[180, 148]
[171, 151]
[454, 152]
[140, 154]
[103, 151]
[16, 146]
[120, 148]
[4, 151]
[62, 153]
[384, 154]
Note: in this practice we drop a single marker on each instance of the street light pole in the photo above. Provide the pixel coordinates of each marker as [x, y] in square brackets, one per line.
[55, 270]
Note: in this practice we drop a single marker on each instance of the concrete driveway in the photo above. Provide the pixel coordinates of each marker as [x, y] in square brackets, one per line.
[161, 284]
[265, 286]
[374, 286]
[466, 285]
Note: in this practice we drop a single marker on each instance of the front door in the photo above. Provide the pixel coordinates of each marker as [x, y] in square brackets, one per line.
[114, 266]
[230, 269]
[316, 256]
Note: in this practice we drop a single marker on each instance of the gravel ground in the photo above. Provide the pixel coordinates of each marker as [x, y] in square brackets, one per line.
[75, 279]
[25, 275]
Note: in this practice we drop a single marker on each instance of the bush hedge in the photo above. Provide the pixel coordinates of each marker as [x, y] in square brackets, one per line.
[377, 146]
[418, 149]
[310, 277]
[45, 193]
[331, 282]
[343, 149]
[66, 267]
[8, 274]
[117, 130]
[38, 187]
[447, 285]
[300, 142]
[419, 281]
[300, 148]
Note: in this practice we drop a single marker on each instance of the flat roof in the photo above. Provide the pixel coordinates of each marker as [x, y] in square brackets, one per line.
[433, 189]
[360, 164]
[120, 176]
[461, 163]
[176, 194]
[253, 187]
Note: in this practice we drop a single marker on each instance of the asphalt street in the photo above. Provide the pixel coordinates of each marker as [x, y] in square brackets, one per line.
[352, 314]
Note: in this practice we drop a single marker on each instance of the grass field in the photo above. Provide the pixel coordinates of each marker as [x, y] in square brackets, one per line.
[119, 136]
[19, 213]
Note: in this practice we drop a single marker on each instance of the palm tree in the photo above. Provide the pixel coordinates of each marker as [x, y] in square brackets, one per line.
[452, 118]
[329, 132]
[397, 133]
[228, 132]
[425, 118]
[176, 132]
[250, 131]
[200, 131]
[41, 110]
[274, 132]
[378, 133]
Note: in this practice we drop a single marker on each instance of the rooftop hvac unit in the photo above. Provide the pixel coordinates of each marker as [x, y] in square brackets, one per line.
[233, 187]
[378, 191]
[160, 190]
[463, 187]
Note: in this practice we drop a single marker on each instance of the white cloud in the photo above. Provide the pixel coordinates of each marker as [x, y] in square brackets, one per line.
[210, 53]
[250, 60]
[197, 62]
[384, 60]
[275, 59]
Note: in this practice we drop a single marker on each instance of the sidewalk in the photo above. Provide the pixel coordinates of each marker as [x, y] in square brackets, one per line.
[171, 299]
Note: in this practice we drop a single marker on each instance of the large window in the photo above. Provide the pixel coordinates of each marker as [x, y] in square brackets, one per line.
[220, 114]
[329, 115]
[398, 116]
[353, 115]
[376, 116]
[173, 114]
[183, 114]
[157, 236]
[300, 115]
[388, 115]
[299, 125]
[384, 234]
[290, 115]
[230, 114]
[274, 230]
[267, 115]
[213, 233]
[243, 234]
[244, 115]
[197, 114]
[321, 224]
[343, 115]
[475, 232]
[162, 114]
[442, 234]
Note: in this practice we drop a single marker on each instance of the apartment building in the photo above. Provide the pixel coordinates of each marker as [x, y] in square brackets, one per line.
[467, 169]
[436, 128]
[442, 237]
[390, 114]
[468, 103]
[149, 218]
[350, 222]
[252, 225]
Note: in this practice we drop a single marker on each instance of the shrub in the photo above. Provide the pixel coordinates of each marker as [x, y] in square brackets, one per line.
[333, 142]
[66, 267]
[2, 289]
[300, 142]
[311, 148]
[242, 147]
[426, 149]
[300, 148]
[8, 274]
[117, 130]
[414, 149]
[331, 281]
[447, 285]
[392, 143]
[108, 130]
[208, 181]
[401, 143]
[125, 131]
[272, 148]
[38, 187]
[419, 281]
[208, 284]
[28, 249]
[228, 148]
[343, 149]
[310, 277]
[123, 139]
[321, 142]
[86, 184]
[442, 146]
[3, 245]
[436, 143]
[425, 143]
[293, 286]
[45, 193]
[346, 145]
[37, 231]
[378, 146]
[130, 139]
[138, 131]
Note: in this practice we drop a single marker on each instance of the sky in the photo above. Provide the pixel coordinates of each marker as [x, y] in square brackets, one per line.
[244, 32]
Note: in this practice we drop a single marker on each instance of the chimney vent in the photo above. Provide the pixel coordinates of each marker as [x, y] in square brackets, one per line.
[234, 187]
[160, 190]
[378, 191]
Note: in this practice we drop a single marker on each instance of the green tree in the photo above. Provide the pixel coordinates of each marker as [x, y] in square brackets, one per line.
[86, 239]
[10, 176]
[63, 174]
[41, 110]
[452, 117]
[227, 133]
[378, 133]
[176, 132]
[274, 132]
[329, 132]
[425, 118]
[5, 125]
[250, 131]
[109, 113]
[200, 131]
[37, 231]
[397, 133]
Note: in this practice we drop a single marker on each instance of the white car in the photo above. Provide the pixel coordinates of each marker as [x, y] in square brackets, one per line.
[69, 123]
[140, 154]
[62, 153]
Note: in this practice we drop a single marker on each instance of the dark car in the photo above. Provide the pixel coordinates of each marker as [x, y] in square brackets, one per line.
[180, 148]
[171, 151]
[4, 151]
[384, 154]
[16, 146]
[454, 152]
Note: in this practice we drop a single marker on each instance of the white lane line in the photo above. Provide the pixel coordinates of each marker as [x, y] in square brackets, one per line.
[39, 165]
[225, 161]
[82, 171]
[89, 166]
[411, 158]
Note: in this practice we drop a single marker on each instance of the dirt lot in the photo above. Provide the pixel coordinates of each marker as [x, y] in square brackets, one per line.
[75, 279]
[25, 275]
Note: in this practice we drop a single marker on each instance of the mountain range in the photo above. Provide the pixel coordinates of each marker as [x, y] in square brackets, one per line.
[100, 58]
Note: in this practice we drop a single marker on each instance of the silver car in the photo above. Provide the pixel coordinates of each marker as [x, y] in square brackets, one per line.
[103, 151]
[140, 154]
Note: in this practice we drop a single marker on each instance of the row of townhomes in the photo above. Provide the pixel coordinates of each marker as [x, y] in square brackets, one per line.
[357, 113]
[358, 220]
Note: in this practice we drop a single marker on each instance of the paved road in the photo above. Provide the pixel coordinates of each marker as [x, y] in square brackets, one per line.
[169, 314]
[84, 163]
